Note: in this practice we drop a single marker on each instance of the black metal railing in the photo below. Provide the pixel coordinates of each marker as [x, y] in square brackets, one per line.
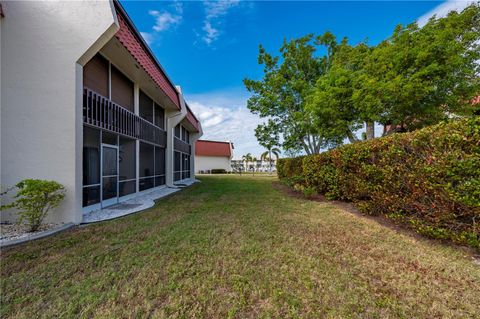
[179, 145]
[99, 111]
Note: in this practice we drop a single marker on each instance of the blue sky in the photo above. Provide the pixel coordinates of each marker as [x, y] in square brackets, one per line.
[208, 48]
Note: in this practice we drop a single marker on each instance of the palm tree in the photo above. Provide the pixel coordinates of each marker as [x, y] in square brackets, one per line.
[254, 160]
[268, 154]
[247, 158]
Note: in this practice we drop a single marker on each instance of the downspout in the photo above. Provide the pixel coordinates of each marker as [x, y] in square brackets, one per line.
[172, 121]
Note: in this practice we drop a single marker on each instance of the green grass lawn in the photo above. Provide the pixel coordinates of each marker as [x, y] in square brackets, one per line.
[234, 246]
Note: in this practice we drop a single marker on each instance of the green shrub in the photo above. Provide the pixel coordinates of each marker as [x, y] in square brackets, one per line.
[430, 178]
[293, 180]
[35, 198]
[287, 167]
[309, 192]
[218, 171]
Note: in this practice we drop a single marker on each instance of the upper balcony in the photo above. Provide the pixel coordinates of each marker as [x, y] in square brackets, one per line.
[181, 146]
[100, 112]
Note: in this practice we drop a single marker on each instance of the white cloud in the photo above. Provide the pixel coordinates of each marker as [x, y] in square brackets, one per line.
[443, 9]
[214, 13]
[215, 9]
[164, 20]
[211, 34]
[225, 117]
[147, 37]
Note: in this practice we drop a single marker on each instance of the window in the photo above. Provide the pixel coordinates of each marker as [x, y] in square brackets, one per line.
[146, 107]
[91, 166]
[178, 131]
[159, 116]
[147, 166]
[91, 195]
[127, 159]
[184, 135]
[159, 166]
[95, 75]
[121, 89]
[177, 170]
[184, 165]
[181, 166]
[91, 156]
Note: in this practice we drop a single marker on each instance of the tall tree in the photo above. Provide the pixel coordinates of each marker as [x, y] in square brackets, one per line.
[422, 75]
[331, 99]
[416, 77]
[247, 158]
[287, 81]
[268, 136]
[267, 156]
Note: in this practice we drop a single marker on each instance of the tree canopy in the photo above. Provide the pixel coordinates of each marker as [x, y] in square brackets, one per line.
[416, 77]
[288, 80]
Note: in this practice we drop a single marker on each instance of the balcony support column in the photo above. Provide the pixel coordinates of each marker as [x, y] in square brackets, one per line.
[136, 108]
[173, 118]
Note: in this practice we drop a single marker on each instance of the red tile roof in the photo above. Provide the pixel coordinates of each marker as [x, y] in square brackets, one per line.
[192, 119]
[129, 37]
[476, 100]
[212, 148]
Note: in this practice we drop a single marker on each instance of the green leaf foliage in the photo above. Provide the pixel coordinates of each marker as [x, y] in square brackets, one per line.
[415, 78]
[281, 95]
[428, 179]
[35, 198]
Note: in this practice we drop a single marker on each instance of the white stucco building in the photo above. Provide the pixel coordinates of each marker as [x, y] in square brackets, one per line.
[84, 102]
[213, 155]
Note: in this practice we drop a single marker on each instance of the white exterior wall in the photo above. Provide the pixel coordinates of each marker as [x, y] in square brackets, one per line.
[44, 46]
[203, 163]
[193, 158]
[173, 118]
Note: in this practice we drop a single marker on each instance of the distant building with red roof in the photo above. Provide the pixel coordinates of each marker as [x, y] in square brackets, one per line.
[213, 155]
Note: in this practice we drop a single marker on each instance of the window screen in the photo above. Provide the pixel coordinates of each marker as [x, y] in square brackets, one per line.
[146, 107]
[95, 75]
[122, 89]
[159, 116]
[146, 160]
[127, 158]
[177, 131]
[91, 156]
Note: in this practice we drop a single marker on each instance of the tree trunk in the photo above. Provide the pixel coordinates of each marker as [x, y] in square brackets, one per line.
[352, 138]
[270, 159]
[370, 130]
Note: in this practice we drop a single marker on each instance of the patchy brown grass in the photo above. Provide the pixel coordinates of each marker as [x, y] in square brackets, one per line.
[236, 247]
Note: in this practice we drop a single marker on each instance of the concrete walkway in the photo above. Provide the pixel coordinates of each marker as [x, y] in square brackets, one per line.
[135, 204]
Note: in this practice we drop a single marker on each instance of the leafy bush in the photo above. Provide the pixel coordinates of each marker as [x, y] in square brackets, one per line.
[309, 191]
[35, 198]
[428, 179]
[293, 180]
[287, 167]
[218, 171]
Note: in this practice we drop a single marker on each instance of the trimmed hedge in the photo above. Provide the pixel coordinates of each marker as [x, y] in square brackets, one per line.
[218, 171]
[428, 179]
[288, 167]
